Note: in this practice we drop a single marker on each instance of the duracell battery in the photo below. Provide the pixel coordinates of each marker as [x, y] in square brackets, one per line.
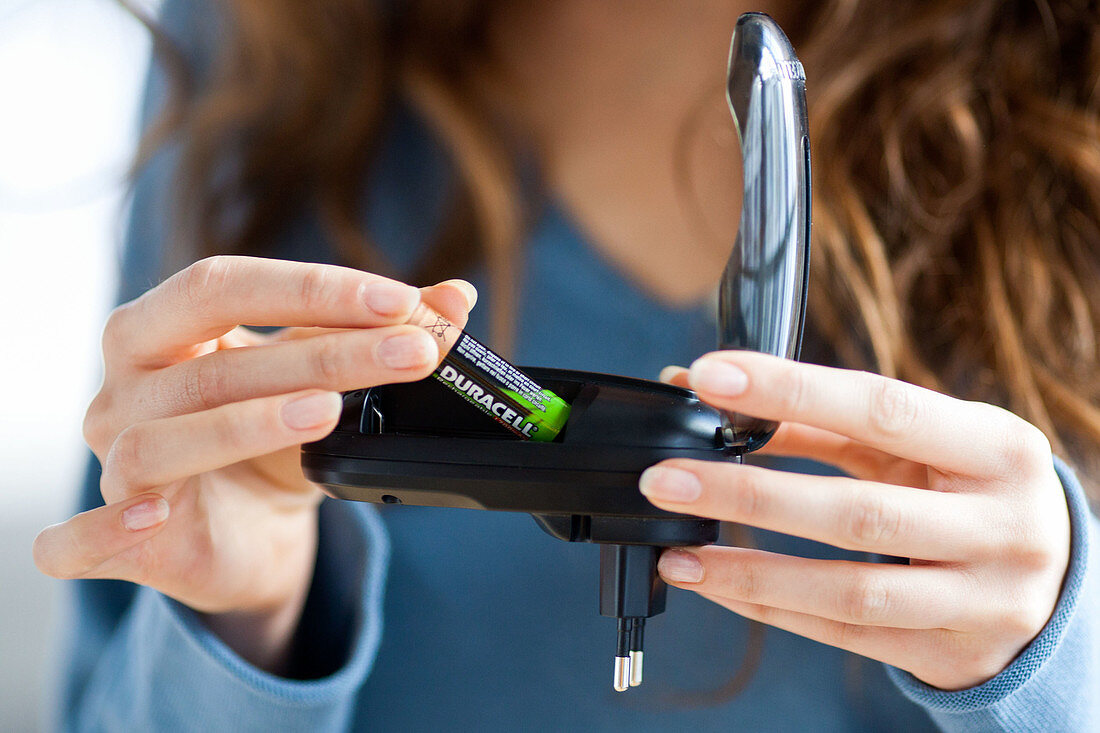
[492, 384]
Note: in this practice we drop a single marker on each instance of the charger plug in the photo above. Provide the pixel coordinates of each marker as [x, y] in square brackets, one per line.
[630, 591]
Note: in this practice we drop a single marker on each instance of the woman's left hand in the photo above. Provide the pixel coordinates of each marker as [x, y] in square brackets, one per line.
[966, 490]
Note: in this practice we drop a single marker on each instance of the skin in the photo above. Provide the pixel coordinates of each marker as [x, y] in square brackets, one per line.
[194, 425]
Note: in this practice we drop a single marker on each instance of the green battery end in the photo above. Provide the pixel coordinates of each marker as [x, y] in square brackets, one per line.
[500, 390]
[548, 413]
[491, 383]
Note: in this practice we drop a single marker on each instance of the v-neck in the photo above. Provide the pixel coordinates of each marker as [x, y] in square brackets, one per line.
[561, 215]
[577, 310]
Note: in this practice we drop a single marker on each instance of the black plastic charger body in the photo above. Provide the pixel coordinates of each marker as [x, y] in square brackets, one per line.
[422, 444]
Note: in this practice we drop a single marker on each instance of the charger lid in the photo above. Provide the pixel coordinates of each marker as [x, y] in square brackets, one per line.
[762, 295]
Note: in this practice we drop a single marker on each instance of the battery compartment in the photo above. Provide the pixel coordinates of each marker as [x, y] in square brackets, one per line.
[604, 410]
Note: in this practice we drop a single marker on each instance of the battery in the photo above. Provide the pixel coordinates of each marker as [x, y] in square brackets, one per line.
[491, 383]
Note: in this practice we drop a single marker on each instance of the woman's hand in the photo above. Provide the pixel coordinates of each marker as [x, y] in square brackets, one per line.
[966, 490]
[198, 423]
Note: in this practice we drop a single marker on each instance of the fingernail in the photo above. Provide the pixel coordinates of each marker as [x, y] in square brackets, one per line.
[668, 373]
[311, 411]
[670, 484]
[148, 513]
[680, 567]
[467, 289]
[717, 377]
[389, 298]
[406, 351]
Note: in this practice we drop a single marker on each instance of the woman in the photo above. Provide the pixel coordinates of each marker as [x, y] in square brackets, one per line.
[957, 207]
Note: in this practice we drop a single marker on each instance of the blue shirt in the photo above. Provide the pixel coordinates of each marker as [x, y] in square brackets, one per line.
[429, 619]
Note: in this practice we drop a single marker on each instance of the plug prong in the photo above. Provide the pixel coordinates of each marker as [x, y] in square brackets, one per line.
[635, 668]
[622, 674]
[637, 632]
[622, 655]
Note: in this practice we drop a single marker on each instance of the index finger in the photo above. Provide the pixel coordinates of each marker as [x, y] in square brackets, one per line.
[907, 421]
[453, 299]
[217, 294]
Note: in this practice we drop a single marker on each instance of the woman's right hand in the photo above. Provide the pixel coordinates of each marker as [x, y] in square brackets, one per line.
[198, 423]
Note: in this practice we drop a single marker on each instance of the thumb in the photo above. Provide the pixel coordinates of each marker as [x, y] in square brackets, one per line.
[453, 299]
[77, 547]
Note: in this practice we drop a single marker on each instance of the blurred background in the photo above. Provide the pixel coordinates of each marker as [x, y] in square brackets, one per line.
[70, 77]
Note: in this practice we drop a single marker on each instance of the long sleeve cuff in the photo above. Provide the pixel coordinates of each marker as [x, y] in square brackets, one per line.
[1052, 684]
[165, 671]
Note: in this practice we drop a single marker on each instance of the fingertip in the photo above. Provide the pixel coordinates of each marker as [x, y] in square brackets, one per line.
[717, 377]
[680, 566]
[39, 551]
[674, 375]
[450, 301]
[79, 547]
[389, 299]
[311, 410]
[668, 482]
[467, 288]
[410, 349]
[146, 513]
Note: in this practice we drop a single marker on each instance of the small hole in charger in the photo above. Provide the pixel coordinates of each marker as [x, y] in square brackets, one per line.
[390, 499]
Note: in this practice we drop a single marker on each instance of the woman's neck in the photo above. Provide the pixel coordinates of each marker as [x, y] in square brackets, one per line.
[625, 104]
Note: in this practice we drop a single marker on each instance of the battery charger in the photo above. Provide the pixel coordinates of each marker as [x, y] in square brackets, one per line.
[422, 444]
